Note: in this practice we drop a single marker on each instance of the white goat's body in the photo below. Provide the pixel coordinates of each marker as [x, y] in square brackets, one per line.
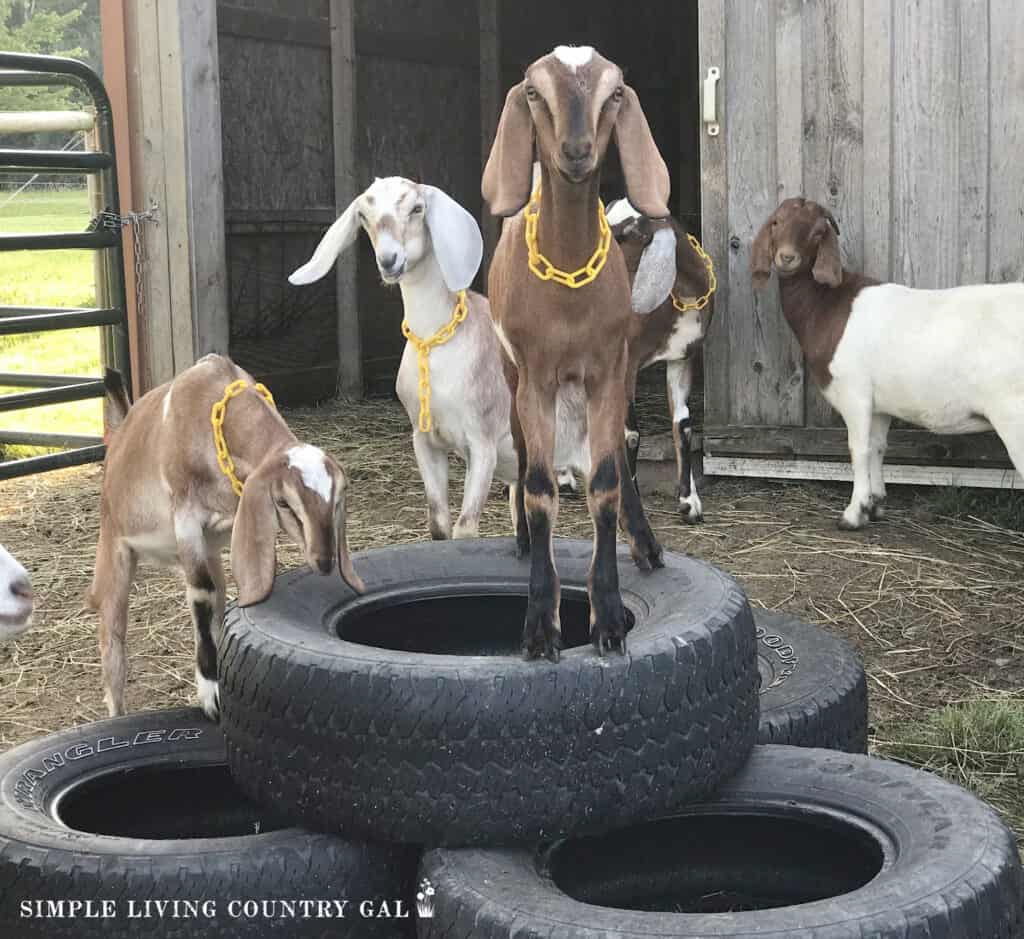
[936, 358]
[15, 597]
[951, 361]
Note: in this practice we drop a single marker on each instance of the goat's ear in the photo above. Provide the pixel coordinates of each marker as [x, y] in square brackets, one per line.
[458, 244]
[761, 256]
[507, 175]
[828, 268]
[656, 272]
[647, 180]
[345, 566]
[335, 240]
[253, 558]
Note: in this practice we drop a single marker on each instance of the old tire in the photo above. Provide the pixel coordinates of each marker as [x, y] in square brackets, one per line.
[477, 746]
[142, 808]
[806, 844]
[814, 692]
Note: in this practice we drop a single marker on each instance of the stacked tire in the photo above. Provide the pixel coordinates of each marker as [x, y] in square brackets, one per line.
[711, 782]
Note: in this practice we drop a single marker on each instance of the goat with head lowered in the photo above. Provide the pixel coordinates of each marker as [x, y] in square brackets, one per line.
[561, 303]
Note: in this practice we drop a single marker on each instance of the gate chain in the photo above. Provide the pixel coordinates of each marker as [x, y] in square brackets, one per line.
[135, 220]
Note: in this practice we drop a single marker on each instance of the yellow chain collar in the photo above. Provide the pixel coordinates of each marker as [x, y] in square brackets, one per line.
[227, 465]
[545, 270]
[700, 302]
[423, 347]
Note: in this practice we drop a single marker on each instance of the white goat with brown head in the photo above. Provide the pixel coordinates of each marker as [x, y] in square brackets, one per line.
[167, 500]
[431, 247]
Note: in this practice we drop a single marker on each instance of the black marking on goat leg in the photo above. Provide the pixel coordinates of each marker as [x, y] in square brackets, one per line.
[607, 615]
[539, 482]
[643, 546]
[541, 635]
[200, 579]
[206, 651]
[605, 477]
[522, 526]
[685, 463]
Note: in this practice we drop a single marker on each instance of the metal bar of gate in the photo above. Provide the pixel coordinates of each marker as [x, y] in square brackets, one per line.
[18, 69]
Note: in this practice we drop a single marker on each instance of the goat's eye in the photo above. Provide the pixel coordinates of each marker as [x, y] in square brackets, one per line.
[417, 210]
[618, 93]
[362, 219]
[531, 93]
[281, 504]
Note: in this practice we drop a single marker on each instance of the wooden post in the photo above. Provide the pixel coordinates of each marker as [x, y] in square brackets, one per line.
[490, 110]
[346, 183]
[175, 145]
[204, 178]
[115, 77]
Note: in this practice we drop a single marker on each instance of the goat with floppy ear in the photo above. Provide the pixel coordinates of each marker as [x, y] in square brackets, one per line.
[565, 336]
[167, 500]
[431, 247]
[672, 282]
[946, 360]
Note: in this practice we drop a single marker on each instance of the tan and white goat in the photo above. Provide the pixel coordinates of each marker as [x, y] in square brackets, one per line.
[167, 501]
[430, 246]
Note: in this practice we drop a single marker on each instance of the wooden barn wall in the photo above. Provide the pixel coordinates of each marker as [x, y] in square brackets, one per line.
[278, 189]
[418, 102]
[902, 117]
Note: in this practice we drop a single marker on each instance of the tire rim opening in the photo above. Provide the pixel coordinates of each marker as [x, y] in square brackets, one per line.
[718, 862]
[481, 622]
[163, 803]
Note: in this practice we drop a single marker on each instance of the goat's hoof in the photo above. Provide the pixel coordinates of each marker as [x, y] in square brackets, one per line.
[608, 632]
[647, 553]
[877, 511]
[209, 696]
[542, 637]
[691, 510]
[844, 524]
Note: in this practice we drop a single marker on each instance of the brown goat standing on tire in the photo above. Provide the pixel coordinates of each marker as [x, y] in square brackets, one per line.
[566, 347]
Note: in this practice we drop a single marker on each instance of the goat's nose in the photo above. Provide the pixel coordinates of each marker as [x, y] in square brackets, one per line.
[577, 150]
[387, 261]
[21, 588]
[786, 258]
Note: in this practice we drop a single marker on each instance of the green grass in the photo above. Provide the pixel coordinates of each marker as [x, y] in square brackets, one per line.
[1002, 507]
[55, 279]
[978, 744]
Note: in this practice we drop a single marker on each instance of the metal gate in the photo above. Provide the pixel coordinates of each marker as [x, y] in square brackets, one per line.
[103, 234]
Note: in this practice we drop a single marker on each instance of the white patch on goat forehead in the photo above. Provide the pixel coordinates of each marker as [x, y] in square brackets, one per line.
[574, 56]
[311, 463]
[620, 210]
[389, 192]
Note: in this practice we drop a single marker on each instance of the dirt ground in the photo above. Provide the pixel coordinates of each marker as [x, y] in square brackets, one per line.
[931, 602]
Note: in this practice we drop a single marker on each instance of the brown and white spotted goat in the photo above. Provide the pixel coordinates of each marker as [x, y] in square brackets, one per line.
[672, 333]
[566, 347]
[166, 501]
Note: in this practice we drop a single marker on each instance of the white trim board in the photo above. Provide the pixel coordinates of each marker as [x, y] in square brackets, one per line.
[985, 478]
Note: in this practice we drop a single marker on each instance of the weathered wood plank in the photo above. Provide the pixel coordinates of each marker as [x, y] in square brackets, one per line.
[714, 189]
[272, 27]
[205, 258]
[1006, 168]
[174, 214]
[765, 365]
[491, 102]
[833, 122]
[926, 249]
[789, 98]
[877, 126]
[346, 187]
[843, 472]
[142, 42]
[905, 445]
[973, 141]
